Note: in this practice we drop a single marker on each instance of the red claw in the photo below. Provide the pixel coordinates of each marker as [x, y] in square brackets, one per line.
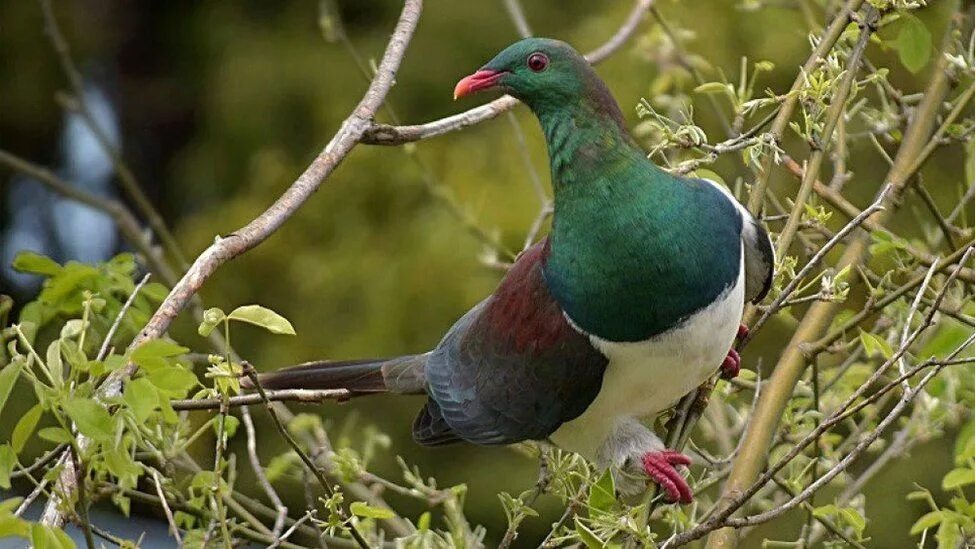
[731, 365]
[743, 332]
[660, 466]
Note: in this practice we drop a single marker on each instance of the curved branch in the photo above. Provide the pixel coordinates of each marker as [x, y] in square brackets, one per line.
[385, 134]
[259, 229]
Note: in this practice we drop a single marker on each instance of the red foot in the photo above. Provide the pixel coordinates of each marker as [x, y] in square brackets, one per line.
[660, 466]
[731, 365]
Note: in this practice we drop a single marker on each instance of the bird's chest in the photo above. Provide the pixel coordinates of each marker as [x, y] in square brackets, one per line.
[646, 377]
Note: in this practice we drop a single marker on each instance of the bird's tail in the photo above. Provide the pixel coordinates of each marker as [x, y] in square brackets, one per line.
[404, 375]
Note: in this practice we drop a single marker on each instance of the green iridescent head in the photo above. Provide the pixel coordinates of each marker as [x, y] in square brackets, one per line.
[541, 72]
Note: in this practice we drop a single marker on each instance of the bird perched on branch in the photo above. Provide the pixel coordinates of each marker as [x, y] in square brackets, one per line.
[633, 300]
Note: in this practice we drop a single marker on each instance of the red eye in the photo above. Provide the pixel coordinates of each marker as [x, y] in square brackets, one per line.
[538, 61]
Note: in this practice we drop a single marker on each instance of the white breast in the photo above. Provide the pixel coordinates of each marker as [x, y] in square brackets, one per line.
[646, 377]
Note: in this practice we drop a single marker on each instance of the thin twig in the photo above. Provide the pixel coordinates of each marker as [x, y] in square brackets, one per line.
[252, 453]
[517, 15]
[773, 307]
[326, 485]
[311, 396]
[118, 318]
[166, 510]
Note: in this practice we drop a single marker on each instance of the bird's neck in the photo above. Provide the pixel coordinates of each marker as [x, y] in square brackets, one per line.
[585, 140]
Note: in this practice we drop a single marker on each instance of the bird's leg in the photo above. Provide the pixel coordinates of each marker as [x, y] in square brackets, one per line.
[733, 362]
[637, 453]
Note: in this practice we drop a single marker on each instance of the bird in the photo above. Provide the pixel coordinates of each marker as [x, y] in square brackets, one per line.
[633, 300]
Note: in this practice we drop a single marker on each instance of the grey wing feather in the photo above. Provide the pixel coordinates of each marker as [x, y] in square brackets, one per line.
[759, 258]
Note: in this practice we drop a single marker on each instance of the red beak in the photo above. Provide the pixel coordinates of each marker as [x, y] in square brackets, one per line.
[480, 80]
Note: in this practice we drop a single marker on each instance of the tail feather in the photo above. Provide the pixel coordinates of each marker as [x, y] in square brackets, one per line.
[397, 375]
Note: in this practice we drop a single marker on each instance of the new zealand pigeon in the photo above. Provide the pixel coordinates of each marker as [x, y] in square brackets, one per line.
[633, 300]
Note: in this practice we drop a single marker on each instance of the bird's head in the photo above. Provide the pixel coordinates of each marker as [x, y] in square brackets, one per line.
[538, 71]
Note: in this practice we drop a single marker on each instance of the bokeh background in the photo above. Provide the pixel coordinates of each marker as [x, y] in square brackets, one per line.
[218, 106]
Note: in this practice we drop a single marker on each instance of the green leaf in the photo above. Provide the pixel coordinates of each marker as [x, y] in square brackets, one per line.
[853, 519]
[174, 380]
[211, 318]
[230, 425]
[260, 316]
[43, 537]
[361, 509]
[874, 345]
[928, 520]
[54, 363]
[587, 536]
[11, 526]
[8, 377]
[9, 505]
[958, 477]
[715, 87]
[25, 427]
[602, 493]
[156, 349]
[55, 434]
[914, 43]
[7, 461]
[34, 263]
[120, 464]
[92, 419]
[155, 291]
[141, 397]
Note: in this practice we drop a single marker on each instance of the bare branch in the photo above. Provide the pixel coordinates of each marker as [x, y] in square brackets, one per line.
[383, 134]
[310, 396]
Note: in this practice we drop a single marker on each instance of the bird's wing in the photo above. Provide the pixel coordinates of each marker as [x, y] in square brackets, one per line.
[512, 368]
[759, 257]
[758, 249]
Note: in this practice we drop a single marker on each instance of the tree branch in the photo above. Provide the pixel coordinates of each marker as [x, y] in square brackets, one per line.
[261, 227]
[384, 134]
[768, 412]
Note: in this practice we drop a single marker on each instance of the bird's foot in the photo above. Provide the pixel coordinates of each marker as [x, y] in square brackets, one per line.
[661, 467]
[731, 365]
[733, 362]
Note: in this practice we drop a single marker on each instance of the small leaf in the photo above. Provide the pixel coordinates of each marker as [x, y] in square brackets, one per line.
[92, 419]
[266, 318]
[715, 87]
[958, 477]
[8, 376]
[141, 397]
[602, 493]
[211, 318]
[928, 520]
[914, 43]
[25, 428]
[587, 536]
[55, 434]
[34, 263]
[54, 363]
[361, 509]
[873, 345]
[155, 291]
[157, 348]
[173, 380]
[230, 425]
[7, 461]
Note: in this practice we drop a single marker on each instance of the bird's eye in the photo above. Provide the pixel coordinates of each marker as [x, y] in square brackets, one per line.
[538, 61]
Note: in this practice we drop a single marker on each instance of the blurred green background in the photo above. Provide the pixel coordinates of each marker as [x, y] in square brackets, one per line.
[223, 104]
